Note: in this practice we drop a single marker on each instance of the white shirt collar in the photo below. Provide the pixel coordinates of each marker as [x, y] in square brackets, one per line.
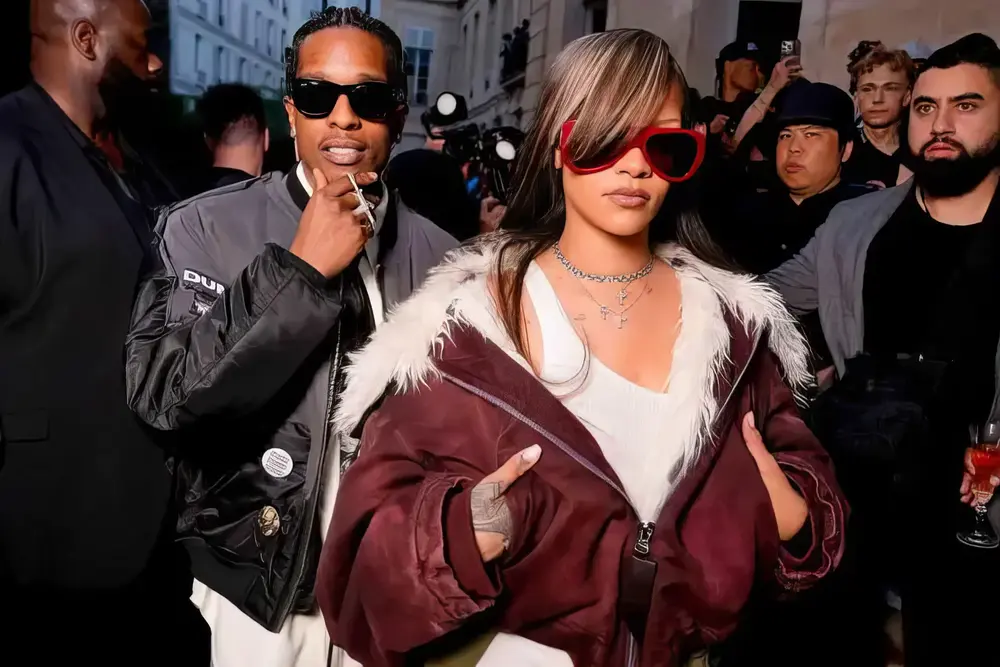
[371, 247]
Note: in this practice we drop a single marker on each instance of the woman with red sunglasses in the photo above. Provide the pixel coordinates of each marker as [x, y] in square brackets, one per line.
[579, 443]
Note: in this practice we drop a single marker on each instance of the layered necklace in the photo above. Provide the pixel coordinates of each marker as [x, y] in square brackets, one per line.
[623, 279]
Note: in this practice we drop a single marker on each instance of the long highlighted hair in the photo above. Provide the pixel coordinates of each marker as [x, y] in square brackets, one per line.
[614, 84]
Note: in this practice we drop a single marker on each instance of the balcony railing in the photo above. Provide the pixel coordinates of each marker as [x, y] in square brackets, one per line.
[514, 56]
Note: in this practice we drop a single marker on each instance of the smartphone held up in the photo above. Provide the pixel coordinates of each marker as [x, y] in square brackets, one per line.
[792, 50]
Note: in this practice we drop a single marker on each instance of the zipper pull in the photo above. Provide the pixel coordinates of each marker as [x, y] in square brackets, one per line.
[643, 537]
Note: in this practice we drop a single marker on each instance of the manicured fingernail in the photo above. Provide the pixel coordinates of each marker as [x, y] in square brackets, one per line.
[751, 420]
[531, 454]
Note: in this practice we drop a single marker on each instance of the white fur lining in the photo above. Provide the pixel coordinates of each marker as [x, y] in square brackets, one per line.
[402, 351]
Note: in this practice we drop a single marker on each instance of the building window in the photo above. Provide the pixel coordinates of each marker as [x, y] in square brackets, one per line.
[198, 71]
[419, 47]
[243, 73]
[284, 43]
[221, 15]
[244, 21]
[492, 47]
[284, 8]
[202, 9]
[477, 69]
[219, 62]
[258, 30]
[271, 37]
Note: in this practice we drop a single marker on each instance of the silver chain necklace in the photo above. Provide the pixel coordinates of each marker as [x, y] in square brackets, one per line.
[626, 279]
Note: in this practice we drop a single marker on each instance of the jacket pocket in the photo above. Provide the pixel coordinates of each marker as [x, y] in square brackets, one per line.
[24, 426]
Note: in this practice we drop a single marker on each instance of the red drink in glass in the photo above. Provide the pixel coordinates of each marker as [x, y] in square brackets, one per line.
[986, 460]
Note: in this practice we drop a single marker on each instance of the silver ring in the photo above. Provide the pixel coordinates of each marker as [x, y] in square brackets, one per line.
[364, 207]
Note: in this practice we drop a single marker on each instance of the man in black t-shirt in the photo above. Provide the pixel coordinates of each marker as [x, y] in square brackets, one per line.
[881, 82]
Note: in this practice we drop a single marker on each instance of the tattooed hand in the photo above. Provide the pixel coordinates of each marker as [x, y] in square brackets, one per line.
[491, 518]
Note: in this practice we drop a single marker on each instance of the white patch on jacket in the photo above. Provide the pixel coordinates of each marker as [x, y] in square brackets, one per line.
[403, 350]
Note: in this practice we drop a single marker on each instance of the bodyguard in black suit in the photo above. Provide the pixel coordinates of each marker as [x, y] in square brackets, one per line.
[87, 559]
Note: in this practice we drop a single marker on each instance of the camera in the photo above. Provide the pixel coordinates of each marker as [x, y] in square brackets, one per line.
[490, 153]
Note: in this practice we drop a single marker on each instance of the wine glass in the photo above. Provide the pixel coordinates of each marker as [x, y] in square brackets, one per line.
[985, 454]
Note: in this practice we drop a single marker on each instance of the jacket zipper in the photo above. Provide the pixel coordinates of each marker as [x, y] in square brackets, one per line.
[295, 578]
[644, 533]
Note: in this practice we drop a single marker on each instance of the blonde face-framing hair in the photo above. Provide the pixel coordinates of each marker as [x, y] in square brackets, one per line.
[613, 84]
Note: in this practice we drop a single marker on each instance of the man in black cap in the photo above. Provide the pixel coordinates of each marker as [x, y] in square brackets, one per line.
[815, 127]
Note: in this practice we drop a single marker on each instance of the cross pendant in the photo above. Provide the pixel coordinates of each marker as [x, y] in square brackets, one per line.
[604, 312]
[621, 320]
[622, 295]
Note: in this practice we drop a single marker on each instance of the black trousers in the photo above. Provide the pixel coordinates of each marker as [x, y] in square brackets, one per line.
[58, 627]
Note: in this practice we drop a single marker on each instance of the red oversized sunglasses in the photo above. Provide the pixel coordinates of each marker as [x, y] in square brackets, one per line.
[674, 154]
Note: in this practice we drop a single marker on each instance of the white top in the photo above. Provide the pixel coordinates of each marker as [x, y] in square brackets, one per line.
[626, 419]
[369, 258]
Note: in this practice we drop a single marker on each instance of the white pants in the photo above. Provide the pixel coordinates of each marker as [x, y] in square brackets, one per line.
[238, 641]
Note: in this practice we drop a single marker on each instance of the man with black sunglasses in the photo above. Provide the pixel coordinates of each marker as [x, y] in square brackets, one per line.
[239, 341]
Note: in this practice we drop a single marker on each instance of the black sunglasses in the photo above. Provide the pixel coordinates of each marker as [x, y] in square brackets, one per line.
[371, 100]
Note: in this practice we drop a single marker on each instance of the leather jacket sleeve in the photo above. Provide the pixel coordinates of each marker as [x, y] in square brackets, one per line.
[199, 348]
[810, 470]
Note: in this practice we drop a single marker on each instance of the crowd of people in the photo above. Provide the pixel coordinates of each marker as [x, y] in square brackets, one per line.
[715, 386]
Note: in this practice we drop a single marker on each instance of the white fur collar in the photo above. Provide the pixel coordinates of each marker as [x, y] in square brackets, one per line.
[402, 351]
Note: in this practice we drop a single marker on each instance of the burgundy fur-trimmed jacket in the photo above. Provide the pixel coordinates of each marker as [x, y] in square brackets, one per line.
[400, 566]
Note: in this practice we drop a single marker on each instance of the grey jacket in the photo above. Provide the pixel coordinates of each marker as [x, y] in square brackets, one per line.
[828, 276]
[236, 345]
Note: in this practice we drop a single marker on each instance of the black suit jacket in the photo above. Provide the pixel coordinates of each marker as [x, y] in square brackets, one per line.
[84, 488]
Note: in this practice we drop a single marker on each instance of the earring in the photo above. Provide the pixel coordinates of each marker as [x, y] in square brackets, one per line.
[293, 134]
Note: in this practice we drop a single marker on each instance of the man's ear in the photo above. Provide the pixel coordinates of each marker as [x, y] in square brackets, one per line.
[397, 125]
[907, 98]
[848, 149]
[557, 158]
[292, 114]
[211, 143]
[267, 140]
[83, 36]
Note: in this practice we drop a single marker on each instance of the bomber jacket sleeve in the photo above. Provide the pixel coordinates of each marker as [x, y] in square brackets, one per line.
[810, 470]
[797, 279]
[200, 349]
[400, 565]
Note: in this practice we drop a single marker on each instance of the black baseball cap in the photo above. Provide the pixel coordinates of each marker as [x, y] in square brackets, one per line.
[738, 51]
[815, 103]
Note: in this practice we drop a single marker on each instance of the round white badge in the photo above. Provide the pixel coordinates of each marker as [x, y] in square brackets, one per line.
[277, 462]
